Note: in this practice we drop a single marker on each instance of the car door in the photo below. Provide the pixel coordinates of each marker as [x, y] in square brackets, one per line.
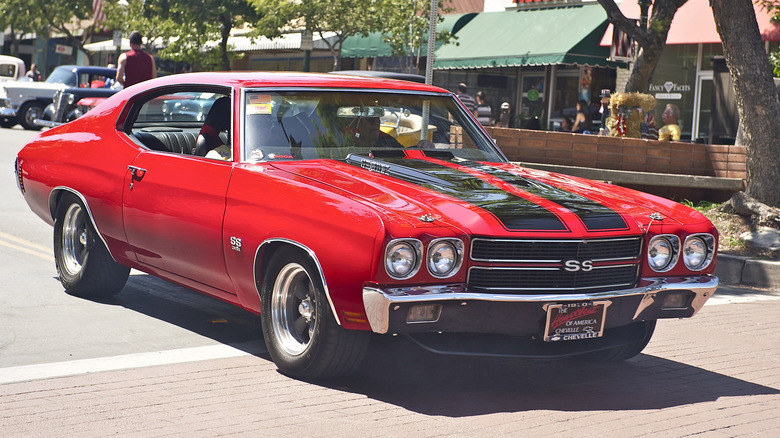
[174, 202]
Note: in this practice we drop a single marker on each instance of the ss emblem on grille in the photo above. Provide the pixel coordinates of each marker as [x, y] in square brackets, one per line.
[576, 265]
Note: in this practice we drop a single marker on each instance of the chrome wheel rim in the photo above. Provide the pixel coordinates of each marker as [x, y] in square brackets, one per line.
[293, 309]
[74, 240]
[32, 113]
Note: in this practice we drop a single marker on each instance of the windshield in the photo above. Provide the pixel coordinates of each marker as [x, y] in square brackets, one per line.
[295, 125]
[62, 76]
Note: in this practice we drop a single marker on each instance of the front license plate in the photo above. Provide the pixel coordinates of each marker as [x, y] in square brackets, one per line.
[575, 321]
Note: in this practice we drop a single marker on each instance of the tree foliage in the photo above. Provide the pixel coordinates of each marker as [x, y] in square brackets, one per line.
[651, 40]
[403, 22]
[184, 30]
[51, 17]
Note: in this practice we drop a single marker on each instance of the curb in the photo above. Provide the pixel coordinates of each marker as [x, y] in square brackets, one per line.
[744, 271]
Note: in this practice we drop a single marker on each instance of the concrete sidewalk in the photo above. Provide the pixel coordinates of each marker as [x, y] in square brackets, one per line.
[747, 272]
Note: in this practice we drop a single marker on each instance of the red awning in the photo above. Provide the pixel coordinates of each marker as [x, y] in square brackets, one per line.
[693, 24]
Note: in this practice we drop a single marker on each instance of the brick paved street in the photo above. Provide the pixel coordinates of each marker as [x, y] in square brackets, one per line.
[715, 375]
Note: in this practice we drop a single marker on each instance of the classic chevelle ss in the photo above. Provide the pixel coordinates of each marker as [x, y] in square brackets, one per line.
[337, 206]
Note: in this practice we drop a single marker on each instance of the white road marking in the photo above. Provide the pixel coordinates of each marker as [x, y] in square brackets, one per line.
[26, 373]
[26, 247]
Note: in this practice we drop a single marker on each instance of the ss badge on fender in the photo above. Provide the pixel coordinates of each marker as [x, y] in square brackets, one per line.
[235, 243]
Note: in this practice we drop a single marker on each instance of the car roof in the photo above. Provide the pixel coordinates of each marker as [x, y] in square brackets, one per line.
[257, 79]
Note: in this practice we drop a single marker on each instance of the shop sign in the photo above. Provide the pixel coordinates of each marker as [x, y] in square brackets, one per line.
[62, 49]
[669, 90]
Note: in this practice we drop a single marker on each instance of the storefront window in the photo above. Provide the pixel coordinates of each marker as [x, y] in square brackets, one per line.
[674, 81]
[532, 109]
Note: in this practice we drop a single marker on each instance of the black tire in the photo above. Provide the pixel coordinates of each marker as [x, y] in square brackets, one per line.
[300, 332]
[84, 265]
[28, 113]
[623, 352]
[7, 123]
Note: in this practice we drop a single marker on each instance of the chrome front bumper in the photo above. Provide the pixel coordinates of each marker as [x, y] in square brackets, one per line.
[8, 112]
[467, 311]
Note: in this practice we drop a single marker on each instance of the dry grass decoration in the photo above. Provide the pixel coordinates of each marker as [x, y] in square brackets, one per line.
[626, 113]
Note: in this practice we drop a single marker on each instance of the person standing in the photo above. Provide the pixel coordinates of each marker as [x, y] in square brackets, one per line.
[467, 100]
[484, 111]
[136, 65]
[34, 74]
[504, 115]
[582, 120]
[670, 130]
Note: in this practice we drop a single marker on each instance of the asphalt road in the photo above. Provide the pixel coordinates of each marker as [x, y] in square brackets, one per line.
[159, 360]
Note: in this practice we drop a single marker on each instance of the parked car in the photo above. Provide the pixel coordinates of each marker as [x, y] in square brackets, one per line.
[69, 104]
[314, 216]
[22, 102]
[11, 68]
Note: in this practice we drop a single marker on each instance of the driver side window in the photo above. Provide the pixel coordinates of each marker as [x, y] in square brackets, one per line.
[186, 122]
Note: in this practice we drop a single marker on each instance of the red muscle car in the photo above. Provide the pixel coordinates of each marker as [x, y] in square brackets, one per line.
[339, 206]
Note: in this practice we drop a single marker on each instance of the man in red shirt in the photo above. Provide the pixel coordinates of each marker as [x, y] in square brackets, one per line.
[136, 65]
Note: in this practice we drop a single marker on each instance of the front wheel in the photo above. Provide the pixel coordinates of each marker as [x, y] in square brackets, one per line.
[28, 113]
[7, 123]
[84, 265]
[300, 332]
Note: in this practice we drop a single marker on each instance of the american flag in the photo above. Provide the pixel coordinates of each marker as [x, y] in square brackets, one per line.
[98, 12]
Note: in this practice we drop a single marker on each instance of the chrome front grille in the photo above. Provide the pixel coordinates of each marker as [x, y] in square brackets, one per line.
[527, 265]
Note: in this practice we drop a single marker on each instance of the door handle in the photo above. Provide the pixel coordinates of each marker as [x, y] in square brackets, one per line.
[137, 172]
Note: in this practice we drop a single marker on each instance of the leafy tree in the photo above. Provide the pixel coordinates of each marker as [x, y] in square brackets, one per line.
[403, 22]
[184, 29]
[759, 110]
[651, 39]
[344, 18]
[406, 25]
[44, 17]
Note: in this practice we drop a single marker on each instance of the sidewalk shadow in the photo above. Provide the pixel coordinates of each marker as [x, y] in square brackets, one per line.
[192, 311]
[398, 372]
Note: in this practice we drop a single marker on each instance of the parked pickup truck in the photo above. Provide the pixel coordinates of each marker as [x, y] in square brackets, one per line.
[23, 102]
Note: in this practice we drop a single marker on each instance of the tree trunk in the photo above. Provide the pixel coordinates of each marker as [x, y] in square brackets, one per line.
[225, 34]
[759, 110]
[651, 40]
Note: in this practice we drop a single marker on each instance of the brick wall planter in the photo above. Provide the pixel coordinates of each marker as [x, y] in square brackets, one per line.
[621, 153]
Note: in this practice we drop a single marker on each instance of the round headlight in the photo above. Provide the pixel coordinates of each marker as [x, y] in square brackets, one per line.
[444, 257]
[696, 253]
[661, 252]
[402, 259]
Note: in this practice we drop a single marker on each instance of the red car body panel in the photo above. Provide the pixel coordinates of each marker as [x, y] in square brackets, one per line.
[208, 224]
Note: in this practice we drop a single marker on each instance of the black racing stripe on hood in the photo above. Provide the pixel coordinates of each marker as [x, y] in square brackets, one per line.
[514, 212]
[595, 216]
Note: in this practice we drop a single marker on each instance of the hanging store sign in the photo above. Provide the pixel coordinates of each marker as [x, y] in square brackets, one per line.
[669, 90]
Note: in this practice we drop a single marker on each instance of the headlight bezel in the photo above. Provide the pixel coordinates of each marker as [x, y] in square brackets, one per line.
[392, 247]
[674, 245]
[456, 245]
[709, 245]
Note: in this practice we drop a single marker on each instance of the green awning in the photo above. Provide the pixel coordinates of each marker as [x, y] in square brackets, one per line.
[372, 45]
[559, 35]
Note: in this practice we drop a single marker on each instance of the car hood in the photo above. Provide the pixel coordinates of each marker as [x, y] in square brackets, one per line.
[498, 199]
[30, 89]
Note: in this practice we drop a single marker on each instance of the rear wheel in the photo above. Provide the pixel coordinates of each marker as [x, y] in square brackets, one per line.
[300, 331]
[623, 352]
[84, 265]
[28, 113]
